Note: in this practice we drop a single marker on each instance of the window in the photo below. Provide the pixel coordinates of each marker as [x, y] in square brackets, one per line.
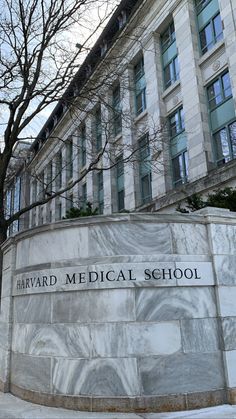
[169, 56]
[209, 23]
[58, 174]
[83, 146]
[69, 159]
[225, 144]
[222, 116]
[140, 87]
[179, 155]
[168, 37]
[98, 129]
[117, 111]
[219, 91]
[84, 195]
[145, 170]
[211, 34]
[49, 178]
[120, 183]
[100, 193]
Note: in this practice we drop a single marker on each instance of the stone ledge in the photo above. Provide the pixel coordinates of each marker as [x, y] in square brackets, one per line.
[166, 403]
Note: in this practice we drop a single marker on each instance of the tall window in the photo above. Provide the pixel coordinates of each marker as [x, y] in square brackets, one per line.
[69, 159]
[178, 147]
[120, 183]
[169, 56]
[117, 110]
[58, 174]
[209, 23]
[98, 129]
[49, 178]
[83, 146]
[84, 195]
[100, 192]
[145, 175]
[222, 115]
[140, 87]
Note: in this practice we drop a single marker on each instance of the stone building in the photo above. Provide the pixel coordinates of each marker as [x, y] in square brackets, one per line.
[161, 80]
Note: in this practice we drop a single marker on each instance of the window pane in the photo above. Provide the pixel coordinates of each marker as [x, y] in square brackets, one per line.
[218, 30]
[121, 200]
[146, 188]
[176, 66]
[226, 85]
[206, 38]
[177, 167]
[167, 75]
[232, 131]
[215, 94]
[222, 146]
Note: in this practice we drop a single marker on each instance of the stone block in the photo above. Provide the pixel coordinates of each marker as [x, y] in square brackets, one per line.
[181, 373]
[200, 335]
[227, 298]
[31, 372]
[4, 364]
[230, 364]
[32, 309]
[6, 283]
[182, 237]
[97, 377]
[229, 333]
[66, 340]
[94, 306]
[225, 269]
[135, 340]
[129, 239]
[175, 303]
[223, 239]
[4, 335]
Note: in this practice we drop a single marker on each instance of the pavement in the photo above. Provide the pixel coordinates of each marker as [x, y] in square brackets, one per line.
[13, 408]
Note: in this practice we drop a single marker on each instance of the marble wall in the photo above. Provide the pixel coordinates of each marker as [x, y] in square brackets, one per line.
[138, 336]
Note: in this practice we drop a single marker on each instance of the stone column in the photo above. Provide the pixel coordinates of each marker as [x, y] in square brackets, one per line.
[9, 255]
[159, 142]
[194, 102]
[106, 131]
[228, 16]
[127, 135]
[222, 236]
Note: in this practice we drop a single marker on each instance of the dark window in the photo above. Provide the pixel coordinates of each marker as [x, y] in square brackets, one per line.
[140, 87]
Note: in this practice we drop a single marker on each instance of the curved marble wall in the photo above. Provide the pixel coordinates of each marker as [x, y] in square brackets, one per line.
[116, 313]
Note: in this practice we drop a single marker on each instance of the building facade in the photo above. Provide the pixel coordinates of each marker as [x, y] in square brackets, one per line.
[149, 118]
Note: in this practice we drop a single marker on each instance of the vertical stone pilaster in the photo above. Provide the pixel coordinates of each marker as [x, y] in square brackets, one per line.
[9, 256]
[127, 94]
[228, 16]
[89, 154]
[106, 131]
[195, 110]
[156, 113]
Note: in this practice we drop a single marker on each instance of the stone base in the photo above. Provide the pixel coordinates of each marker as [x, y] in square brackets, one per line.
[231, 395]
[168, 403]
[4, 387]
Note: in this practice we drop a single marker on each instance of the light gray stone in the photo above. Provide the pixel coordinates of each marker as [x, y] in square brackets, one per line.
[227, 298]
[52, 340]
[94, 306]
[182, 238]
[134, 339]
[129, 239]
[175, 303]
[5, 330]
[98, 377]
[32, 309]
[230, 360]
[225, 268]
[4, 364]
[223, 239]
[181, 373]
[200, 335]
[229, 333]
[31, 372]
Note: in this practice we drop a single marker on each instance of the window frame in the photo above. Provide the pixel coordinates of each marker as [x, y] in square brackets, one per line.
[145, 171]
[140, 93]
[222, 91]
[215, 39]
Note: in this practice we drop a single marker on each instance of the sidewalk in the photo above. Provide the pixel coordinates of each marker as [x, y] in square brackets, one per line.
[13, 408]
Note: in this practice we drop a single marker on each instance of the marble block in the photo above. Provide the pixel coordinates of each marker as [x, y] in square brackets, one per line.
[94, 306]
[230, 360]
[135, 340]
[68, 340]
[32, 309]
[225, 269]
[175, 303]
[182, 239]
[181, 373]
[200, 335]
[229, 333]
[227, 298]
[31, 372]
[223, 239]
[97, 377]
